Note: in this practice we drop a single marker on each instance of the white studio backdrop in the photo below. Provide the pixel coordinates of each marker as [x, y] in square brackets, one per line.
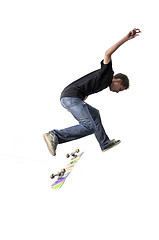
[44, 46]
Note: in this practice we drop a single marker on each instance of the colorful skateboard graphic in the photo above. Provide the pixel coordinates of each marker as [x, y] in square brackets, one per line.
[65, 171]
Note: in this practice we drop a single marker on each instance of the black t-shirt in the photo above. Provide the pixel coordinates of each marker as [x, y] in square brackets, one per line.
[91, 83]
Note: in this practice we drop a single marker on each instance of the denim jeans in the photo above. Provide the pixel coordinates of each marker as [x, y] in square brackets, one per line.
[89, 123]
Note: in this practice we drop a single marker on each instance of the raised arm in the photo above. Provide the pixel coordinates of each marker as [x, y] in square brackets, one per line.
[132, 34]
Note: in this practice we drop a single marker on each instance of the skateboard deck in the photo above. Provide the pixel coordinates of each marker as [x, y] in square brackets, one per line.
[65, 171]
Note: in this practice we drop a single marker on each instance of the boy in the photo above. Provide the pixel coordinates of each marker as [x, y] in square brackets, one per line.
[73, 99]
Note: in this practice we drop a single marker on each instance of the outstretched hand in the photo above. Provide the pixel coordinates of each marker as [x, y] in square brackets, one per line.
[132, 34]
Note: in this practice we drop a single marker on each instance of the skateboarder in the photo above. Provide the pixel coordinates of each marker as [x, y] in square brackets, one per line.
[73, 99]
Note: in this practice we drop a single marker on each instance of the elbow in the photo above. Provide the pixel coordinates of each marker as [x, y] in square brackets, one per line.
[107, 57]
[107, 53]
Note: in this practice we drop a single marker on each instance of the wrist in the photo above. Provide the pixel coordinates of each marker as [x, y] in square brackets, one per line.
[125, 39]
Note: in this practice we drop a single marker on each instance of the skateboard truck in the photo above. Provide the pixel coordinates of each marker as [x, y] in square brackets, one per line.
[59, 174]
[63, 170]
[73, 154]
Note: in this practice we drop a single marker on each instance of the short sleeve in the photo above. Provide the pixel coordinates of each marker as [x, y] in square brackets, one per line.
[105, 66]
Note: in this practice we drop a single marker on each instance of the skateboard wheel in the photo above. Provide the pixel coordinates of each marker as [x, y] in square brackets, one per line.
[77, 150]
[52, 176]
[63, 170]
[67, 155]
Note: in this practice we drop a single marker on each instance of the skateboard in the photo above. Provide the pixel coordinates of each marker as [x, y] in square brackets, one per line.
[63, 174]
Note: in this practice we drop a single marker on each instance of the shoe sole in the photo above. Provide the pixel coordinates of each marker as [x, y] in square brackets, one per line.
[49, 145]
[116, 143]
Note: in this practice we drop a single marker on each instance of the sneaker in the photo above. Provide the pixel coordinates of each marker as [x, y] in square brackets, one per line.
[111, 144]
[51, 142]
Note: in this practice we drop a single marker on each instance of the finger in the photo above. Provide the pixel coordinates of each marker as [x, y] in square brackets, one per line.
[132, 32]
[134, 29]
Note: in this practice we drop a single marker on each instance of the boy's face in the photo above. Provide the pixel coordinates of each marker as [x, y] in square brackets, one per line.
[116, 85]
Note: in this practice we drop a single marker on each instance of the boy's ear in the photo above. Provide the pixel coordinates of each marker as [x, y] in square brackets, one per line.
[118, 80]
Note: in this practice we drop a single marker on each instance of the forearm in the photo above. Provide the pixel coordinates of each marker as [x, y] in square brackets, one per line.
[112, 49]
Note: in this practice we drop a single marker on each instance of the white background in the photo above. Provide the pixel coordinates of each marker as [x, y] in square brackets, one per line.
[44, 46]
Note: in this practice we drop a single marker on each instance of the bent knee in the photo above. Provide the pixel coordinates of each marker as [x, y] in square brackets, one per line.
[91, 127]
[92, 130]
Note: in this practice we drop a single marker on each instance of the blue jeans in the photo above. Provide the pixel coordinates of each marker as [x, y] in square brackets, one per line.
[89, 123]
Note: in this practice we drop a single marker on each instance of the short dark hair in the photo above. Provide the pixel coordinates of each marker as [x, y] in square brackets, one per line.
[124, 78]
